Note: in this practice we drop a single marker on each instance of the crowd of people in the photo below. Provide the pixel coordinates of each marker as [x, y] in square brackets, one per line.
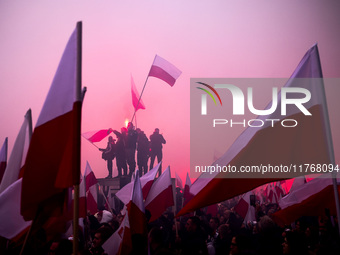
[203, 232]
[123, 149]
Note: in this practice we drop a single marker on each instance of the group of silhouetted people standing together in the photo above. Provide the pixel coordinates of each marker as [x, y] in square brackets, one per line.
[129, 140]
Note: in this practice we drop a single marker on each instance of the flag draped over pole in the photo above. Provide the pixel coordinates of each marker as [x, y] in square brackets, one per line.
[309, 142]
[135, 97]
[3, 158]
[53, 159]
[19, 151]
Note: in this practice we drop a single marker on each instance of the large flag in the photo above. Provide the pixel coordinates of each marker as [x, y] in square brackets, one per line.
[3, 158]
[96, 136]
[309, 199]
[19, 152]
[309, 142]
[53, 158]
[160, 196]
[137, 104]
[11, 221]
[124, 194]
[164, 70]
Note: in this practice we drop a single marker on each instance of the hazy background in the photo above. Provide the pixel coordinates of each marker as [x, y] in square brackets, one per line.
[202, 38]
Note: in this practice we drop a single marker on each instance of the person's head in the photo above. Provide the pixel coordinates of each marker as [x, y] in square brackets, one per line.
[193, 224]
[111, 140]
[102, 234]
[214, 223]
[156, 131]
[240, 243]
[130, 126]
[294, 243]
[123, 130]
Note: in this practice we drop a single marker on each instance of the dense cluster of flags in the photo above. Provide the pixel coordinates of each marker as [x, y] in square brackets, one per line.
[44, 166]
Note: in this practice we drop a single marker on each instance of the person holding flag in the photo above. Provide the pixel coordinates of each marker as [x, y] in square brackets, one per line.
[109, 154]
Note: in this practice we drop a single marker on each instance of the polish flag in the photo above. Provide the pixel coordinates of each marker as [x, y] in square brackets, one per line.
[53, 159]
[134, 222]
[96, 136]
[135, 97]
[309, 199]
[164, 70]
[244, 209]
[136, 210]
[310, 141]
[124, 194]
[3, 158]
[187, 196]
[19, 152]
[119, 242]
[160, 196]
[179, 181]
[11, 221]
[90, 189]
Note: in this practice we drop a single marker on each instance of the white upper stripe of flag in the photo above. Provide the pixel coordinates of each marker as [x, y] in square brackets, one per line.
[60, 98]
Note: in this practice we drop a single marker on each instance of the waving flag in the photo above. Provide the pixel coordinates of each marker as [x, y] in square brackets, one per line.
[96, 136]
[135, 97]
[164, 70]
[124, 194]
[310, 141]
[3, 158]
[18, 155]
[309, 199]
[53, 158]
[160, 196]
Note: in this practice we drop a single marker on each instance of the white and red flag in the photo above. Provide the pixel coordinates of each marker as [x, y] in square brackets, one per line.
[187, 196]
[91, 189]
[160, 196]
[19, 152]
[309, 199]
[3, 158]
[164, 70]
[179, 183]
[137, 104]
[134, 222]
[53, 159]
[244, 209]
[308, 142]
[96, 136]
[124, 194]
[11, 221]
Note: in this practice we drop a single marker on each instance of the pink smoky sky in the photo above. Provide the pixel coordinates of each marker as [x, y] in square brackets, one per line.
[240, 39]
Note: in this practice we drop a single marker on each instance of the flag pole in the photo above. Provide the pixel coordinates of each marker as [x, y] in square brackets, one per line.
[79, 97]
[140, 96]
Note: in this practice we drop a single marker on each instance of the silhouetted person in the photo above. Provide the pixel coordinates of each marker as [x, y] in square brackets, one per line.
[143, 147]
[156, 145]
[130, 147]
[109, 154]
[120, 152]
